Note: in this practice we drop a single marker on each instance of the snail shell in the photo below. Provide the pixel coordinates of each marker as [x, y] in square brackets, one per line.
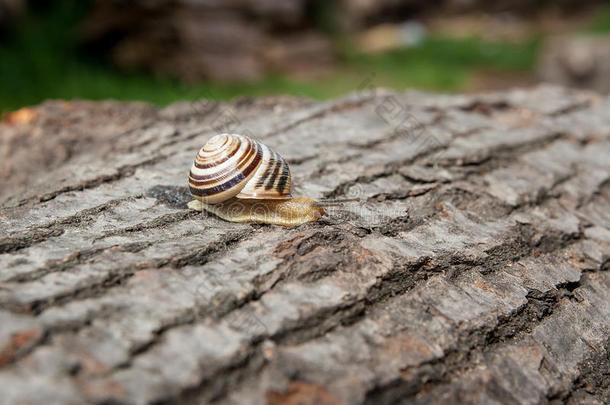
[232, 165]
[242, 180]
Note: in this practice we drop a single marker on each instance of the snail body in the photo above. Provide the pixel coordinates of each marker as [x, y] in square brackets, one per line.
[242, 180]
[292, 212]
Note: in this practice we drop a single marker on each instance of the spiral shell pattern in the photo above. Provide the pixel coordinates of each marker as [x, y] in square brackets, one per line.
[231, 165]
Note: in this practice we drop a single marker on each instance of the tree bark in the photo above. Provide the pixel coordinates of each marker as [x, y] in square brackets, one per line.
[474, 269]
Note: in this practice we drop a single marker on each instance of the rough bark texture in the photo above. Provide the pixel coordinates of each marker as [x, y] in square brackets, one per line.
[473, 271]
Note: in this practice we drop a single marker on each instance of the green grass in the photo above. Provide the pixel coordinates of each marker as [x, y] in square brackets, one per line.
[445, 63]
[41, 60]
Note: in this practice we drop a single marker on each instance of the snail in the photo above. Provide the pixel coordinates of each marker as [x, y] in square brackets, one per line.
[242, 180]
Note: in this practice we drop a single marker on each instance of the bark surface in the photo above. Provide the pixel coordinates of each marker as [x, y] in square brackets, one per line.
[474, 270]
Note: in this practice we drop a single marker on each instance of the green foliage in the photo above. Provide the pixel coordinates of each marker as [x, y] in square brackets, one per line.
[41, 60]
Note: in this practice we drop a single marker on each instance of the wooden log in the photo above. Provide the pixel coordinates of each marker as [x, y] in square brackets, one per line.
[474, 270]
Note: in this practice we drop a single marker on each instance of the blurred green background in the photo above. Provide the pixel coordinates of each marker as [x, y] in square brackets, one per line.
[42, 57]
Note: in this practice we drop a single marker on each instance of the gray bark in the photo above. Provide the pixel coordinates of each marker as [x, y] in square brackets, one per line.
[474, 270]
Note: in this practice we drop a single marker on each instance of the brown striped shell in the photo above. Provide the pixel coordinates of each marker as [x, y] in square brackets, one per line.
[231, 165]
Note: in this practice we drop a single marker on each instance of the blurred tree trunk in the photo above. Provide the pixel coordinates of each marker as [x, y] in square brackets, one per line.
[211, 40]
[247, 39]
